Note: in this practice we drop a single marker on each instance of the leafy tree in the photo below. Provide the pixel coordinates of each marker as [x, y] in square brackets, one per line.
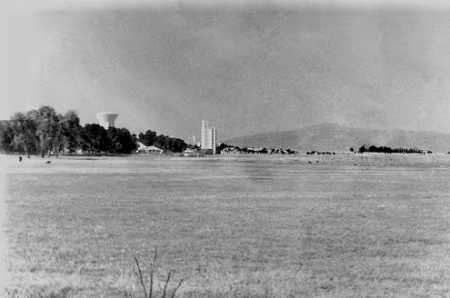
[6, 136]
[24, 129]
[121, 140]
[148, 138]
[48, 129]
[95, 138]
[70, 129]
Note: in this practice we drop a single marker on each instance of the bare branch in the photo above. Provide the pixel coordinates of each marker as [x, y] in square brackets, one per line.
[169, 274]
[177, 287]
[152, 272]
[140, 276]
[150, 290]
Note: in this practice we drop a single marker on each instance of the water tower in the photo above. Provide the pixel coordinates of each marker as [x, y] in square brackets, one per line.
[106, 119]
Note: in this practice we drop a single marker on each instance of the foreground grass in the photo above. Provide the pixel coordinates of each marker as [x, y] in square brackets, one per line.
[361, 227]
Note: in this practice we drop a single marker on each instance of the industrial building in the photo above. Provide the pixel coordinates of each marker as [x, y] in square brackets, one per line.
[208, 137]
[106, 119]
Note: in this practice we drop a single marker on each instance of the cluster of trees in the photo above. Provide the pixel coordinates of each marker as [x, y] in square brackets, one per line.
[385, 149]
[44, 131]
[320, 153]
[39, 131]
[95, 139]
[252, 150]
[161, 141]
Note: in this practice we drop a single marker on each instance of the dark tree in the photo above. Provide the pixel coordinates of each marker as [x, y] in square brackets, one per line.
[24, 129]
[70, 129]
[148, 138]
[47, 128]
[6, 136]
[95, 138]
[121, 140]
[362, 149]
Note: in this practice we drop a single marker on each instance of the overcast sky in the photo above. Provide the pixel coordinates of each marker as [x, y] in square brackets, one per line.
[245, 68]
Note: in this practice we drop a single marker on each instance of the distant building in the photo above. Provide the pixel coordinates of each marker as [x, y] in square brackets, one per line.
[208, 137]
[190, 153]
[203, 135]
[231, 150]
[106, 119]
[148, 149]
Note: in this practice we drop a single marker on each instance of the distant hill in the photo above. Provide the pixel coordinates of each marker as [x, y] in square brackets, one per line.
[333, 137]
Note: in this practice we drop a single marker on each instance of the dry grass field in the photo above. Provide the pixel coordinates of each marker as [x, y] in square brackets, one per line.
[304, 226]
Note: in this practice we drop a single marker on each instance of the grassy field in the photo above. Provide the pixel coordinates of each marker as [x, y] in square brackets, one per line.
[305, 226]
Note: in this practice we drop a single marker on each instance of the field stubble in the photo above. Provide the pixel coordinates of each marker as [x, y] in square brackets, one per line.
[340, 226]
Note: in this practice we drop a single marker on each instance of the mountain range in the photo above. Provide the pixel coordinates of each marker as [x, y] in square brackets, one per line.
[334, 137]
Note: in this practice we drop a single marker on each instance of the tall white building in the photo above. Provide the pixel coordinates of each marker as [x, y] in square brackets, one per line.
[208, 137]
[204, 135]
[213, 139]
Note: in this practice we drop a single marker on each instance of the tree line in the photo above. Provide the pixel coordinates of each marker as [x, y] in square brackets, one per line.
[161, 141]
[225, 148]
[43, 131]
[385, 149]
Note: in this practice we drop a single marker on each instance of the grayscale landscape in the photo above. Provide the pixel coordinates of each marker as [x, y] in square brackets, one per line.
[222, 149]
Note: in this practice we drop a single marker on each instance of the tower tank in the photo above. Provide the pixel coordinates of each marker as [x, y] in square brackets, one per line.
[106, 119]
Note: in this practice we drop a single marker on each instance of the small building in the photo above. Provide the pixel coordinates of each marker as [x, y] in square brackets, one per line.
[191, 153]
[230, 150]
[148, 149]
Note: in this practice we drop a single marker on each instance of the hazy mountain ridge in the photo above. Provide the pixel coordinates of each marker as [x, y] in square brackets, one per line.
[333, 137]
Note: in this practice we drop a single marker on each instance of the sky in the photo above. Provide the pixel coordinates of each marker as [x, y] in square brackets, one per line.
[245, 67]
